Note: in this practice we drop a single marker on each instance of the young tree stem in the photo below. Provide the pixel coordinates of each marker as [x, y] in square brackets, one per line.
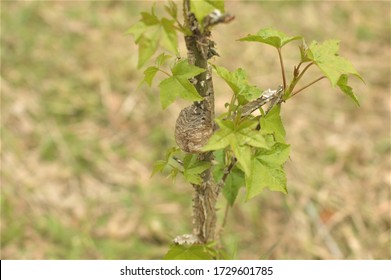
[205, 194]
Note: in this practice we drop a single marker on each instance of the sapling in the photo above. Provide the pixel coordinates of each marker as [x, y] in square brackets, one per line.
[243, 147]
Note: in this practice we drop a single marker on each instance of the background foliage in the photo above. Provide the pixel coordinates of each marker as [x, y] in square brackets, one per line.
[78, 138]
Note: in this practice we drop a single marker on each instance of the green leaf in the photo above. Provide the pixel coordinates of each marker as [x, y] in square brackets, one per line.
[190, 92]
[193, 168]
[267, 170]
[326, 57]
[249, 92]
[243, 155]
[173, 87]
[346, 89]
[137, 30]
[147, 47]
[186, 70]
[147, 44]
[149, 18]
[163, 32]
[237, 81]
[233, 134]
[202, 8]
[246, 134]
[263, 176]
[239, 137]
[219, 140]
[172, 9]
[271, 37]
[304, 51]
[193, 252]
[167, 163]
[219, 165]
[169, 91]
[161, 59]
[158, 166]
[171, 152]
[234, 181]
[179, 85]
[173, 173]
[149, 74]
[222, 137]
[276, 156]
[169, 36]
[272, 124]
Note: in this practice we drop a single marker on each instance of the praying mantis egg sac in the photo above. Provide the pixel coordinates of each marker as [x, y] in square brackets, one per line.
[194, 127]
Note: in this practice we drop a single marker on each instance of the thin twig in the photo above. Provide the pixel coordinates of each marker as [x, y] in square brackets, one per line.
[227, 171]
[282, 67]
[310, 84]
[304, 70]
[297, 79]
[168, 74]
[221, 229]
[186, 10]
[299, 65]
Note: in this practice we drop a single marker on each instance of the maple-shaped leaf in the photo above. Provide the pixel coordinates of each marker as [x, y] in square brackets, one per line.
[167, 163]
[149, 74]
[149, 32]
[243, 155]
[219, 165]
[267, 170]
[234, 181]
[158, 166]
[192, 168]
[178, 84]
[137, 30]
[240, 137]
[242, 133]
[237, 81]
[325, 56]
[271, 37]
[171, 9]
[146, 49]
[169, 38]
[346, 89]
[272, 124]
[161, 59]
[222, 137]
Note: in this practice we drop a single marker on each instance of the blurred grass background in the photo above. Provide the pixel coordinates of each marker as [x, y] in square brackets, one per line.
[78, 138]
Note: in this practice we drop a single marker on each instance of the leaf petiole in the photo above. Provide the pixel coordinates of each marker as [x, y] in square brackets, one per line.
[298, 66]
[231, 105]
[296, 78]
[304, 70]
[168, 74]
[306, 86]
[282, 67]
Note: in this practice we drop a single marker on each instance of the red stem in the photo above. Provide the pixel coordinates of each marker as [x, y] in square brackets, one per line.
[310, 84]
[282, 67]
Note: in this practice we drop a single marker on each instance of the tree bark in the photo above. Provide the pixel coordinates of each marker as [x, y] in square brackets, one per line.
[199, 46]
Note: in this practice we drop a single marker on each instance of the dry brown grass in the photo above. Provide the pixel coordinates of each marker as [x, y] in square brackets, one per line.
[78, 140]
